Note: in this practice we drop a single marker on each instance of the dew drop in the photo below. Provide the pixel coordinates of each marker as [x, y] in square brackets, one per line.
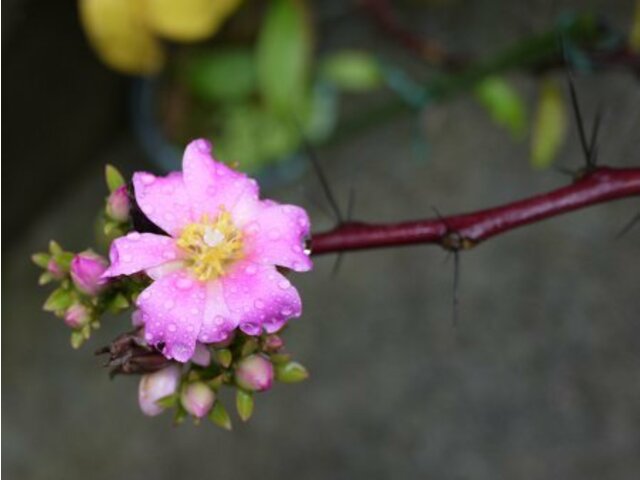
[169, 304]
[286, 311]
[284, 284]
[127, 257]
[259, 304]
[251, 269]
[134, 236]
[172, 327]
[147, 178]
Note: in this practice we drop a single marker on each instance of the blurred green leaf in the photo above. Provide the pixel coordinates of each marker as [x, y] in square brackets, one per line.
[77, 339]
[320, 113]
[291, 372]
[284, 55]
[169, 401]
[220, 416]
[224, 357]
[504, 104]
[352, 70]
[244, 404]
[550, 125]
[41, 259]
[59, 299]
[224, 75]
[114, 178]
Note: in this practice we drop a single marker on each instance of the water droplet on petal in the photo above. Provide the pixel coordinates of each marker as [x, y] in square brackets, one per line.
[147, 178]
[284, 284]
[252, 228]
[286, 311]
[172, 327]
[169, 304]
[296, 248]
[251, 269]
[134, 236]
[259, 304]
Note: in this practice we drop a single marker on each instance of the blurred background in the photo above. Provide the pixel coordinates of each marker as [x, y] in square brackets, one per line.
[410, 105]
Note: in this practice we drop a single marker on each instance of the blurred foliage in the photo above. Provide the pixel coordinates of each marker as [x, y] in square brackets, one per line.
[126, 33]
[261, 92]
[549, 124]
[504, 104]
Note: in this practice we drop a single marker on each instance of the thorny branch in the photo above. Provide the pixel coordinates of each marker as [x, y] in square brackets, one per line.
[464, 231]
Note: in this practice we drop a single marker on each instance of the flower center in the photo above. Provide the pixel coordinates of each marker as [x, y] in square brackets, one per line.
[211, 245]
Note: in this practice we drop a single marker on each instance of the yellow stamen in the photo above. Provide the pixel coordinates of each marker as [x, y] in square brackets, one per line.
[211, 245]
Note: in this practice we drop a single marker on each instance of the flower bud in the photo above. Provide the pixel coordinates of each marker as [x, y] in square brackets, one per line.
[273, 343]
[55, 270]
[201, 355]
[86, 271]
[77, 315]
[155, 386]
[118, 204]
[197, 399]
[254, 373]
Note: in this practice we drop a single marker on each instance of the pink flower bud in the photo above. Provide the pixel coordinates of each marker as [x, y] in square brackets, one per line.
[118, 204]
[77, 315]
[55, 270]
[201, 355]
[254, 373]
[273, 343]
[154, 386]
[197, 399]
[86, 271]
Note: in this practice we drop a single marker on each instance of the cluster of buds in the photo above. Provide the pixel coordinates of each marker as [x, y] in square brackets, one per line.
[82, 294]
[248, 364]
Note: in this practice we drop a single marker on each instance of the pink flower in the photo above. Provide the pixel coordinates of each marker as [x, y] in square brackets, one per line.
[254, 373]
[216, 269]
[154, 386]
[87, 269]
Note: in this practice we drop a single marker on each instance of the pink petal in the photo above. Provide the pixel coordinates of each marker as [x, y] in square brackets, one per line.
[164, 200]
[258, 297]
[211, 184]
[138, 251]
[217, 323]
[276, 236]
[172, 311]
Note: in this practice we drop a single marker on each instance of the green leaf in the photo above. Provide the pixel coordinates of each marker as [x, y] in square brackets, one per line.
[284, 55]
[54, 247]
[244, 404]
[504, 104]
[114, 178]
[118, 303]
[63, 259]
[222, 75]
[280, 358]
[41, 259]
[224, 357]
[59, 299]
[77, 339]
[168, 401]
[45, 278]
[550, 125]
[352, 70]
[291, 372]
[220, 416]
[250, 346]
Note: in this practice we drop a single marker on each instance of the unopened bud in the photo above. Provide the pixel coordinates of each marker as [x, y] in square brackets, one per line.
[197, 399]
[55, 270]
[201, 355]
[254, 373]
[273, 343]
[118, 205]
[77, 315]
[86, 271]
[155, 386]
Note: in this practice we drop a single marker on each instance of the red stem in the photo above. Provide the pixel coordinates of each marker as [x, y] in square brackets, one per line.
[466, 230]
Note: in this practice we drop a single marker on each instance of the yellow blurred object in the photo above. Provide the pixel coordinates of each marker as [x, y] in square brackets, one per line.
[634, 36]
[126, 34]
[188, 20]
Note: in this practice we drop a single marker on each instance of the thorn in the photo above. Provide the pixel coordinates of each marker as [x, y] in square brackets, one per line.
[578, 115]
[628, 226]
[593, 144]
[337, 264]
[323, 179]
[351, 200]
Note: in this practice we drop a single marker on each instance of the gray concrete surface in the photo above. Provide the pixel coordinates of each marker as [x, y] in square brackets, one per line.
[540, 379]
